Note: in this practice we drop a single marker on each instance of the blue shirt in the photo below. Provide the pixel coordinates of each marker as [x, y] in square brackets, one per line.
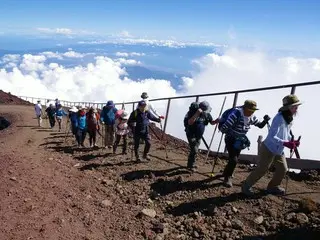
[279, 132]
[108, 115]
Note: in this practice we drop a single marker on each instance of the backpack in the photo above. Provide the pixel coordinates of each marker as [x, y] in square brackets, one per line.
[225, 116]
[192, 110]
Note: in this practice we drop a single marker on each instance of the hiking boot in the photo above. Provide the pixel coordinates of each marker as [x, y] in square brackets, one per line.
[276, 191]
[193, 168]
[227, 182]
[246, 190]
[138, 159]
[146, 157]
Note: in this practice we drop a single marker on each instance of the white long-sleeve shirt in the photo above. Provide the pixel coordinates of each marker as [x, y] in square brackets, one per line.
[279, 132]
[151, 108]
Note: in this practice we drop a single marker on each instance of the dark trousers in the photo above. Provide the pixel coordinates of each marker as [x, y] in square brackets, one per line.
[146, 138]
[116, 143]
[52, 121]
[73, 129]
[194, 144]
[81, 136]
[233, 157]
[92, 136]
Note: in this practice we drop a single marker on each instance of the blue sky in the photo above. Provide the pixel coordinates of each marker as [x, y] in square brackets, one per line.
[269, 24]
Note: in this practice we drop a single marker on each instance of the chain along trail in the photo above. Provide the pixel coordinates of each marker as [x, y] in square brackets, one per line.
[52, 190]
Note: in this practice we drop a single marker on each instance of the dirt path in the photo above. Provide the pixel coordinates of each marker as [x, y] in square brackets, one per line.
[51, 190]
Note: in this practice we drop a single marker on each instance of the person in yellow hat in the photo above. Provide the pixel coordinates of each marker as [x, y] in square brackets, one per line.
[271, 149]
[235, 128]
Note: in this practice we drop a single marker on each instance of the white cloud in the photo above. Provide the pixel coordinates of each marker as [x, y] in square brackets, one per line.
[132, 54]
[63, 31]
[127, 61]
[124, 34]
[106, 79]
[10, 58]
[153, 42]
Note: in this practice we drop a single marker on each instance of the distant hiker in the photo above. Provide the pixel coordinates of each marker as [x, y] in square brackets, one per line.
[149, 106]
[73, 117]
[139, 122]
[122, 130]
[59, 115]
[82, 127]
[235, 127]
[195, 121]
[93, 118]
[271, 149]
[51, 112]
[108, 118]
[38, 110]
[56, 102]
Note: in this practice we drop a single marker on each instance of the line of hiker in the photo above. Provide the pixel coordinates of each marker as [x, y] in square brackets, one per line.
[234, 123]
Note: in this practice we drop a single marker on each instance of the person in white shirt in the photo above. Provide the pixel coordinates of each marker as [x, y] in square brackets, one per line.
[149, 106]
[38, 110]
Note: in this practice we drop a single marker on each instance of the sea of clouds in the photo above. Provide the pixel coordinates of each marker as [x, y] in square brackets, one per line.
[43, 75]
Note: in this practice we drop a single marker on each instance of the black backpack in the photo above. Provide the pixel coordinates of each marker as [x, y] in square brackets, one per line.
[192, 110]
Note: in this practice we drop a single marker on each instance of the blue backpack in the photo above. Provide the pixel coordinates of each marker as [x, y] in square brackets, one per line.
[225, 116]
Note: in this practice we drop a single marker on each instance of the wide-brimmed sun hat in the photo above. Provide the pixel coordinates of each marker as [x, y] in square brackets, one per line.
[290, 101]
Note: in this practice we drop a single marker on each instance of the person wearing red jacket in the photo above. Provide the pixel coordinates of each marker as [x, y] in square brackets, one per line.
[93, 118]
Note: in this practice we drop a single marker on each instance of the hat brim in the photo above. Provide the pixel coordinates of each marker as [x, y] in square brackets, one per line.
[283, 108]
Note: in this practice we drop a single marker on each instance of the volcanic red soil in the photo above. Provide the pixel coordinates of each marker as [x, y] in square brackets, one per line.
[53, 190]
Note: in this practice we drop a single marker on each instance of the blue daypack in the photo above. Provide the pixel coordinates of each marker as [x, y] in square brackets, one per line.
[225, 116]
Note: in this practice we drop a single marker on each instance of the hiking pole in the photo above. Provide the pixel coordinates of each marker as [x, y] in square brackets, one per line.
[215, 129]
[164, 144]
[216, 157]
[292, 151]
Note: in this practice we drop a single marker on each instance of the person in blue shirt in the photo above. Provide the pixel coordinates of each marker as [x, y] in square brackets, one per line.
[108, 118]
[59, 115]
[195, 121]
[82, 127]
[73, 117]
[271, 149]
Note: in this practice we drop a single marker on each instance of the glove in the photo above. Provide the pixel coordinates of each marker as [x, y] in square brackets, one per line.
[297, 143]
[215, 121]
[161, 117]
[290, 144]
[266, 118]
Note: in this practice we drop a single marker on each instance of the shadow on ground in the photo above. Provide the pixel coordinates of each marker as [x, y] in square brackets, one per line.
[140, 174]
[207, 205]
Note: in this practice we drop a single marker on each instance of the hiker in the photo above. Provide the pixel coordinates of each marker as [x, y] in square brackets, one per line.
[56, 102]
[59, 115]
[139, 123]
[82, 127]
[121, 130]
[149, 106]
[38, 110]
[235, 128]
[195, 121]
[93, 118]
[51, 112]
[108, 119]
[73, 117]
[271, 149]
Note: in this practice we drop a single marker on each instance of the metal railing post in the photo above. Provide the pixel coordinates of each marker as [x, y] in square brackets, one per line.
[293, 90]
[197, 98]
[167, 115]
